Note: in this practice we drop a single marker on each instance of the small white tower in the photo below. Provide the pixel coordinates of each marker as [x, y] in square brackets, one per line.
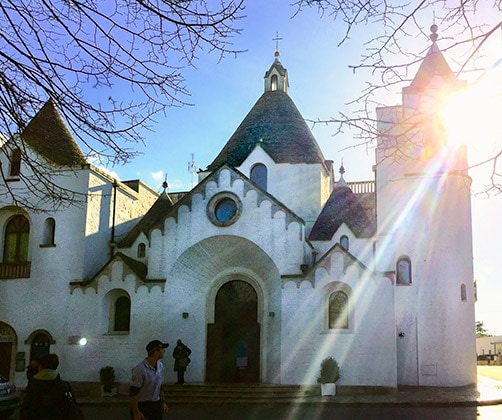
[425, 232]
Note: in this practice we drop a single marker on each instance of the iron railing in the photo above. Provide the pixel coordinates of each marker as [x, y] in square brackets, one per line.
[17, 270]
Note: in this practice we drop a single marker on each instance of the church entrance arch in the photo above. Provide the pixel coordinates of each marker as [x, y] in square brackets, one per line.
[233, 340]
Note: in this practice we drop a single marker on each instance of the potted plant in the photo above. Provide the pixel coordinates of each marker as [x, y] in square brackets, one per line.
[107, 378]
[330, 373]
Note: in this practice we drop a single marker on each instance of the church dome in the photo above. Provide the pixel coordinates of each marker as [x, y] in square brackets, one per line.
[274, 123]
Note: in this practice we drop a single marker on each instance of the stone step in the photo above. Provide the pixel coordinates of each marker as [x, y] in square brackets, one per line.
[238, 392]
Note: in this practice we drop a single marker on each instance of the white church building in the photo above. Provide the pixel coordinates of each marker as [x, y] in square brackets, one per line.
[272, 258]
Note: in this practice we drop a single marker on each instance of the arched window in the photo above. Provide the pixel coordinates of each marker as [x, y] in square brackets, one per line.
[116, 315]
[338, 310]
[463, 293]
[17, 236]
[40, 346]
[15, 162]
[344, 242]
[49, 231]
[273, 82]
[122, 318]
[259, 175]
[141, 250]
[403, 270]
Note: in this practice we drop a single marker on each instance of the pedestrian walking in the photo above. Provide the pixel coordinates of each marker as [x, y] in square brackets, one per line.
[146, 396]
[181, 360]
[47, 396]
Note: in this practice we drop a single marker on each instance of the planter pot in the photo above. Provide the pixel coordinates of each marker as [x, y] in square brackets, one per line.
[111, 393]
[328, 389]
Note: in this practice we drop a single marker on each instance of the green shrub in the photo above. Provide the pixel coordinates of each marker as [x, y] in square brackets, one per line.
[330, 371]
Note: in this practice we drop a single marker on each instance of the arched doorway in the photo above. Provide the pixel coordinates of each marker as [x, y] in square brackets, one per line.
[233, 341]
[8, 343]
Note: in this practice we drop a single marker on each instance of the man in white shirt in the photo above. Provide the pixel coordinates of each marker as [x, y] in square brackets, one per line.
[146, 396]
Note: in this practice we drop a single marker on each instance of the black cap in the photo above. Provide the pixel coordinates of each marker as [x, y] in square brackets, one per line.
[155, 345]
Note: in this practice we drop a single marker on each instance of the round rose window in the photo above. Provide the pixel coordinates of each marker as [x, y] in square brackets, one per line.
[224, 209]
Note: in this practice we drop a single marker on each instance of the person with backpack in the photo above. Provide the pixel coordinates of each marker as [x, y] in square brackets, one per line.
[47, 396]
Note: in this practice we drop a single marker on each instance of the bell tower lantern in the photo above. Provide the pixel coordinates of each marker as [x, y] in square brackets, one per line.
[276, 78]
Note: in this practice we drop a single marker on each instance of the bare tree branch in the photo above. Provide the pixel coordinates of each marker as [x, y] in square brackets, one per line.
[469, 24]
[58, 49]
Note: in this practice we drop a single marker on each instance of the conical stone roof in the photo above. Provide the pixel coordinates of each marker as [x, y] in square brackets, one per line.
[277, 126]
[433, 64]
[342, 207]
[49, 136]
[158, 210]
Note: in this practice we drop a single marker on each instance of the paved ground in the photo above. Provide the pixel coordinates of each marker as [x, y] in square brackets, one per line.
[302, 412]
[466, 403]
[492, 372]
[490, 384]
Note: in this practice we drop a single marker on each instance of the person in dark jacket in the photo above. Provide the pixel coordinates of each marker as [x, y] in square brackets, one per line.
[181, 360]
[46, 393]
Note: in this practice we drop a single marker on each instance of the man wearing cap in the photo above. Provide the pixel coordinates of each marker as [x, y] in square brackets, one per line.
[147, 399]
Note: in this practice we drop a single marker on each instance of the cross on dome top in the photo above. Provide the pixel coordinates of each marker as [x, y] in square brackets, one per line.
[276, 39]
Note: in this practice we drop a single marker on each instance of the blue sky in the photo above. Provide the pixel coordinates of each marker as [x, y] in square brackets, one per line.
[321, 82]
[222, 93]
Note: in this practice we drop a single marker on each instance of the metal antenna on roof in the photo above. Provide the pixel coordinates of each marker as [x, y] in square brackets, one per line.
[192, 168]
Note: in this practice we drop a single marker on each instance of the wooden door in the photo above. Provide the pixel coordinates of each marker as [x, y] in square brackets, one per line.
[5, 359]
[233, 341]
[214, 352]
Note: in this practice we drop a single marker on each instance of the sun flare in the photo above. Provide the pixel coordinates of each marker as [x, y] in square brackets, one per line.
[472, 116]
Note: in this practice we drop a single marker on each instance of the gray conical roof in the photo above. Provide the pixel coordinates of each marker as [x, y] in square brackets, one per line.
[433, 64]
[277, 126]
[158, 210]
[342, 207]
[49, 136]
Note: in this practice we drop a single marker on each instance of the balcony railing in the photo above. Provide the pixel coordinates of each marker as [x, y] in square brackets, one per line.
[18, 270]
[362, 187]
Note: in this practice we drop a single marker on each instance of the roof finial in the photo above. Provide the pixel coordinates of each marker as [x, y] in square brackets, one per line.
[276, 39]
[434, 36]
[341, 182]
[165, 184]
